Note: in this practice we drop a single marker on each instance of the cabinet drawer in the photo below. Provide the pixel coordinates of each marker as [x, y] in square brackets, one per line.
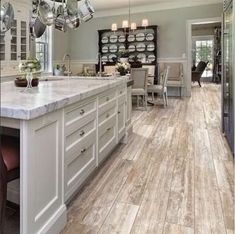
[121, 90]
[75, 135]
[107, 114]
[76, 112]
[122, 99]
[79, 167]
[107, 97]
[76, 149]
[107, 132]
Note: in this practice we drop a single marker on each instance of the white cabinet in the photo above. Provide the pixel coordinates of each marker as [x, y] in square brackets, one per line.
[121, 120]
[14, 44]
[79, 144]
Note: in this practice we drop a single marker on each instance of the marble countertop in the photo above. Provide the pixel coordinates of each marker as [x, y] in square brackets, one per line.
[51, 95]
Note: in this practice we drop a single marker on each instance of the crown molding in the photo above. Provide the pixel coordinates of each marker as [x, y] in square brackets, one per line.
[172, 4]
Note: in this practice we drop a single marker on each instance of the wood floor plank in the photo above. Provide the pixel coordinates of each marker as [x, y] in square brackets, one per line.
[120, 219]
[177, 229]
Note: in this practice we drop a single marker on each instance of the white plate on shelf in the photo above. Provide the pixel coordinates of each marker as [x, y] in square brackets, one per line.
[140, 47]
[122, 38]
[140, 37]
[131, 38]
[105, 40]
[113, 38]
[149, 37]
[105, 49]
[113, 48]
[151, 58]
[121, 48]
[104, 58]
[111, 56]
[150, 47]
[131, 48]
[141, 57]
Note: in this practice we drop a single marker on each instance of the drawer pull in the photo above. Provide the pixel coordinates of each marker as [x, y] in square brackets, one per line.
[82, 133]
[121, 92]
[107, 116]
[83, 151]
[82, 112]
[119, 112]
[107, 99]
[109, 129]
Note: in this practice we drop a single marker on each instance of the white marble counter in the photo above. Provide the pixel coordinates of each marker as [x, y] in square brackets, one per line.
[50, 95]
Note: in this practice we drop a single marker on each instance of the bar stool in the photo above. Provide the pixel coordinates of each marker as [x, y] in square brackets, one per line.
[9, 170]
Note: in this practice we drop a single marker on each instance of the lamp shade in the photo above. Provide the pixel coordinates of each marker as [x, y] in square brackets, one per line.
[125, 24]
[133, 26]
[145, 23]
[114, 27]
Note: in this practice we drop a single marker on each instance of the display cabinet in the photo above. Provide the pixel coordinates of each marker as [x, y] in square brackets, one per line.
[141, 45]
[14, 44]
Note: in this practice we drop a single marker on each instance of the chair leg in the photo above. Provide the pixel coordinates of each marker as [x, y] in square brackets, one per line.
[138, 101]
[153, 96]
[166, 98]
[199, 82]
[146, 101]
[3, 198]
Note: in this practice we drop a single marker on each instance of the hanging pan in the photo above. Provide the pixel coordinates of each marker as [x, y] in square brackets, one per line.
[60, 22]
[37, 28]
[86, 11]
[6, 16]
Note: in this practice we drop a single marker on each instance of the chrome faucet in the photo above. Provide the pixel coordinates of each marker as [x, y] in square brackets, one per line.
[69, 63]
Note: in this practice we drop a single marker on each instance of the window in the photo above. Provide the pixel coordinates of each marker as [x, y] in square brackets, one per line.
[203, 48]
[44, 50]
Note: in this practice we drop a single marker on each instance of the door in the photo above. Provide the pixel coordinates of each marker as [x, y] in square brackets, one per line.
[228, 119]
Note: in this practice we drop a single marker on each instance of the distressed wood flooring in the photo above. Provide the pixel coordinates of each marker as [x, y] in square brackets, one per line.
[175, 176]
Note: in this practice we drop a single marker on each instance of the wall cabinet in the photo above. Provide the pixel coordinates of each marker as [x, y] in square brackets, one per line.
[14, 44]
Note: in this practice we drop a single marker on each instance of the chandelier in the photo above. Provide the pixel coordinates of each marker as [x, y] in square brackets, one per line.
[127, 23]
[62, 14]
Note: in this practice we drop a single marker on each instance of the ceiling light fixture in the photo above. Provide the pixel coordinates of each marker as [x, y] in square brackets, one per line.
[128, 24]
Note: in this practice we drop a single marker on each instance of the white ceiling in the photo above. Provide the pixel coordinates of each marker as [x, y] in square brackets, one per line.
[119, 6]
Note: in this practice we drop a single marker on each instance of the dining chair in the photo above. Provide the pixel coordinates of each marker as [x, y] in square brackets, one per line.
[9, 170]
[162, 87]
[139, 88]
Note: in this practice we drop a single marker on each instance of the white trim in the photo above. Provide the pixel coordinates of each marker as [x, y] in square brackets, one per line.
[189, 24]
[173, 4]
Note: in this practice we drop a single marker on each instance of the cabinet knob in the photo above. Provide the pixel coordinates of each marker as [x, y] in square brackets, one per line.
[82, 112]
[107, 99]
[119, 112]
[83, 151]
[109, 129]
[82, 133]
[107, 116]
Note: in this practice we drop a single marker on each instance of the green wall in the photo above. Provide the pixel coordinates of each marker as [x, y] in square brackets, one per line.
[83, 43]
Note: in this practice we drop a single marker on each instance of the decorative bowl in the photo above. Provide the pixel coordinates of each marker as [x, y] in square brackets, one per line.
[23, 82]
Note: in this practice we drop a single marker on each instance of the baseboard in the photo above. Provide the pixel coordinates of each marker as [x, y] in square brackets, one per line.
[56, 223]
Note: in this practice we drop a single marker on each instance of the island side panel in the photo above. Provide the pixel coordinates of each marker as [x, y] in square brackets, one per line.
[42, 175]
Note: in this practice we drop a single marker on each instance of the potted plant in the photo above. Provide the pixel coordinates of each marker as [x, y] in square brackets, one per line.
[123, 68]
[28, 69]
[59, 69]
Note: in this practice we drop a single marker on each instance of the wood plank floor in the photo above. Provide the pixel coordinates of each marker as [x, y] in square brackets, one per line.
[175, 176]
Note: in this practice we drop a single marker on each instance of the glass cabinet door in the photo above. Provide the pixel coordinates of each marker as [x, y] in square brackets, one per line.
[13, 47]
[2, 47]
[228, 114]
[23, 40]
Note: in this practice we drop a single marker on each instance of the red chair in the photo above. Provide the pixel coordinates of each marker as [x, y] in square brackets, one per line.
[9, 170]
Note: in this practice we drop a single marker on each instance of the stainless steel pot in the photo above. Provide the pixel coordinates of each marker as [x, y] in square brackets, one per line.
[6, 16]
[46, 13]
[86, 11]
[60, 21]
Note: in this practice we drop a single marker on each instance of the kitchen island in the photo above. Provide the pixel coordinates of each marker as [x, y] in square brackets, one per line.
[68, 127]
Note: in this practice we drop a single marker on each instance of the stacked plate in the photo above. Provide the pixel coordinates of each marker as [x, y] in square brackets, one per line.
[121, 38]
[113, 48]
[150, 47]
[105, 40]
[105, 49]
[131, 38]
[149, 37]
[113, 38]
[131, 48]
[140, 47]
[140, 37]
